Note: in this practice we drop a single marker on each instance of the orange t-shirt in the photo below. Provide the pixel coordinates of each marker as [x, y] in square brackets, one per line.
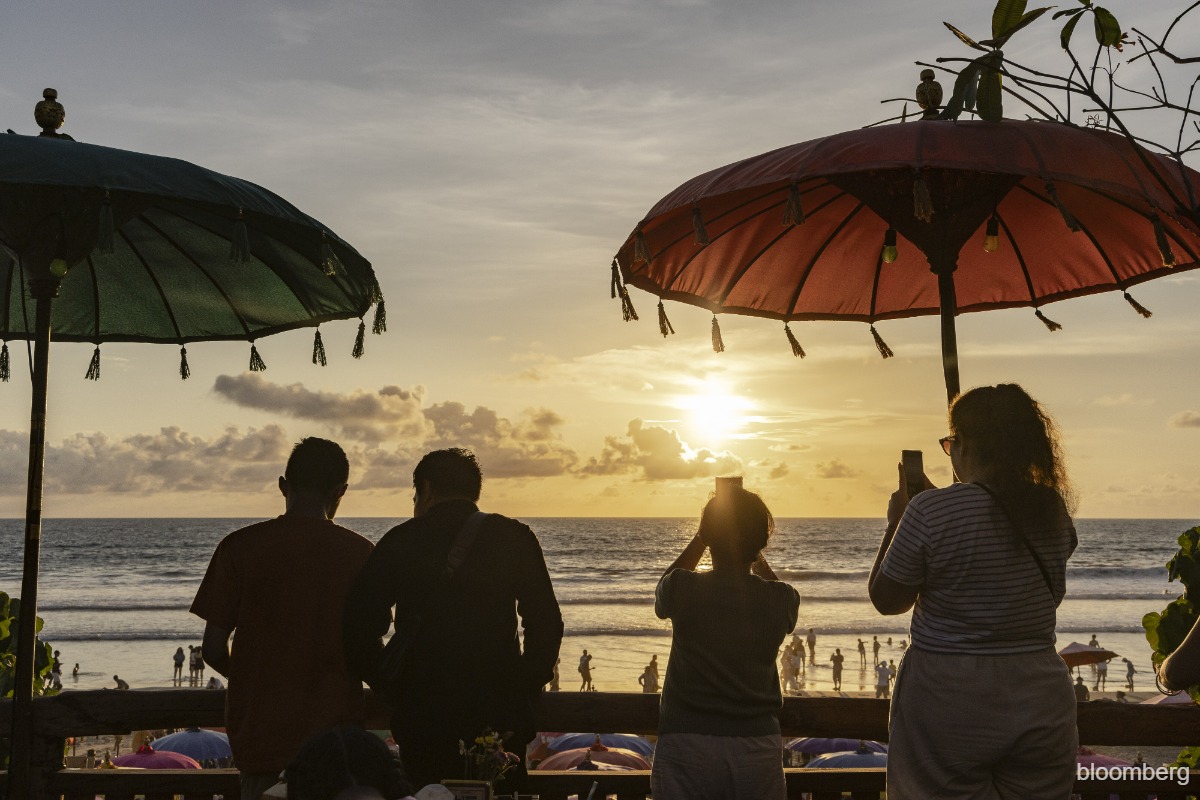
[281, 586]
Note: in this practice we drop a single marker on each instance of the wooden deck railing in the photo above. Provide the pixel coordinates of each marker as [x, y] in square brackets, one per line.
[109, 712]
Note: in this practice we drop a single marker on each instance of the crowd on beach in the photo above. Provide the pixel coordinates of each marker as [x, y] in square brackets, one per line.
[981, 564]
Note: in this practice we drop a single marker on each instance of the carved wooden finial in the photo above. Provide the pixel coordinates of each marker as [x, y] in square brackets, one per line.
[49, 113]
[929, 95]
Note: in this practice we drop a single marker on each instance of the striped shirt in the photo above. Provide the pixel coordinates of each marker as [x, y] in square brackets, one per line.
[980, 589]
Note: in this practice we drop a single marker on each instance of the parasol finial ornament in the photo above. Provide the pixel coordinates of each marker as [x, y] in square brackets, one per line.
[929, 95]
[50, 114]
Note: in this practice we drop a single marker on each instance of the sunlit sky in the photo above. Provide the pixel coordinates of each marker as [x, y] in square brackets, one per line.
[489, 159]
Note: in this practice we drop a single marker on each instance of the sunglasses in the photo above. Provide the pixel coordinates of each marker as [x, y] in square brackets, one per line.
[946, 442]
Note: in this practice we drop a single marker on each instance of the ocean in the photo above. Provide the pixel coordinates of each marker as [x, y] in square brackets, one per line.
[114, 593]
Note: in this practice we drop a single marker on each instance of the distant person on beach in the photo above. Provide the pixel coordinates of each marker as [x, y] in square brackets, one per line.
[1082, 694]
[903, 646]
[883, 680]
[1101, 675]
[75, 672]
[465, 667]
[282, 585]
[585, 672]
[1129, 673]
[1094, 641]
[862, 653]
[121, 684]
[649, 680]
[982, 564]
[785, 668]
[199, 654]
[838, 659]
[178, 658]
[812, 646]
[193, 667]
[214, 683]
[875, 648]
[654, 665]
[1121, 698]
[554, 678]
[719, 735]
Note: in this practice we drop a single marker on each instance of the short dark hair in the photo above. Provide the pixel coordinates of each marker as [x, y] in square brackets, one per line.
[736, 525]
[451, 473]
[317, 465]
[338, 758]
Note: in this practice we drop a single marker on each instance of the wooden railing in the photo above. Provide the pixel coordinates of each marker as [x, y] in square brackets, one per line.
[110, 712]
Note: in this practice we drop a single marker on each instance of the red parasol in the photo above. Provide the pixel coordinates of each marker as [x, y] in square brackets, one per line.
[147, 758]
[1077, 655]
[893, 221]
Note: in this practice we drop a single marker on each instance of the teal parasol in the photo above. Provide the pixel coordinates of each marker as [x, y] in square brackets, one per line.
[100, 245]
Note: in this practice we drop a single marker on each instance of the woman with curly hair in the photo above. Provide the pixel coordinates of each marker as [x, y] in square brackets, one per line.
[719, 713]
[983, 705]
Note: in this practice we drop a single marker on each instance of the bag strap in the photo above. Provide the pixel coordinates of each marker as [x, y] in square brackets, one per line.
[462, 543]
[1020, 529]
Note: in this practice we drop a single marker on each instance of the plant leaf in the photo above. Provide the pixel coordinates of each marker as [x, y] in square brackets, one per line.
[1068, 29]
[964, 86]
[990, 100]
[967, 40]
[1108, 30]
[1028, 19]
[1006, 14]
[1067, 12]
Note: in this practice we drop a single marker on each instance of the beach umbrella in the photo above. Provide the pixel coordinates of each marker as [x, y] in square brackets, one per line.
[571, 741]
[147, 757]
[199, 744]
[918, 218]
[815, 745]
[99, 244]
[1078, 655]
[861, 758]
[1177, 699]
[617, 756]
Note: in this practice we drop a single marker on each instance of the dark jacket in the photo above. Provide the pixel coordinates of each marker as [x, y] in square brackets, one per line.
[466, 665]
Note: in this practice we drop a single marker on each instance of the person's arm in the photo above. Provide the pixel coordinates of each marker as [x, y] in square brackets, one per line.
[762, 569]
[1182, 668]
[889, 596]
[216, 648]
[368, 614]
[541, 618]
[690, 557]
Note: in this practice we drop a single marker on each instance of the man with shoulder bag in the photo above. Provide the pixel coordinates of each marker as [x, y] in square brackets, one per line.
[458, 579]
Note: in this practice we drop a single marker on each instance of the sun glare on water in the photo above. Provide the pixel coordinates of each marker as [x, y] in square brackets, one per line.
[714, 411]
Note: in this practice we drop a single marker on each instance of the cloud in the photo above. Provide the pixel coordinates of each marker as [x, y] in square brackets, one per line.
[790, 448]
[392, 428]
[660, 454]
[170, 460]
[835, 469]
[780, 470]
[1185, 419]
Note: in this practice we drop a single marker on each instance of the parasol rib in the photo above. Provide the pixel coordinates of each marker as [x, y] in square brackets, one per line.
[157, 285]
[1012, 240]
[812, 263]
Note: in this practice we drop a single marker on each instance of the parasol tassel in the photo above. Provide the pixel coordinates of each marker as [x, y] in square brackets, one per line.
[922, 202]
[664, 324]
[375, 294]
[239, 245]
[93, 370]
[1050, 324]
[641, 251]
[360, 341]
[185, 371]
[5, 372]
[793, 212]
[881, 345]
[627, 311]
[718, 342]
[797, 350]
[614, 283]
[1067, 216]
[1138, 307]
[698, 225]
[318, 349]
[104, 239]
[330, 263]
[1164, 244]
[379, 323]
[256, 362]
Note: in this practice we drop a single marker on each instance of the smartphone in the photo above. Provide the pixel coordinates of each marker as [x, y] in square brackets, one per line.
[725, 484]
[914, 471]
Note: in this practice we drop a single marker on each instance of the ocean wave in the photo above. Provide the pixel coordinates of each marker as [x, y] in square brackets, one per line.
[109, 609]
[626, 600]
[124, 636]
[822, 575]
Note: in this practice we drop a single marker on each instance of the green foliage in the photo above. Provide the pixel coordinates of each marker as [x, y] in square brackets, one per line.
[10, 609]
[1166, 630]
[979, 86]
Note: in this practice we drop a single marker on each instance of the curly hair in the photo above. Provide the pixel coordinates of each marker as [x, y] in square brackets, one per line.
[1019, 445]
[341, 757]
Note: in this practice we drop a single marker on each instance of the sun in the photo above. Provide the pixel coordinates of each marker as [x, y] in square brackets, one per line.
[714, 411]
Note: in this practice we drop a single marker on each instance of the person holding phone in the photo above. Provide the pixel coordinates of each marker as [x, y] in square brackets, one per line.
[982, 563]
[719, 735]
